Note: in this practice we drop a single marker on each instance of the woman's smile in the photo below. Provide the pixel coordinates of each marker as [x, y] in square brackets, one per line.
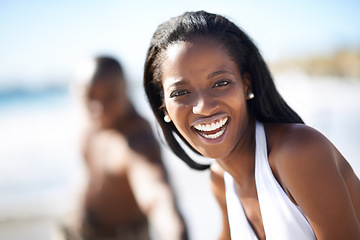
[212, 130]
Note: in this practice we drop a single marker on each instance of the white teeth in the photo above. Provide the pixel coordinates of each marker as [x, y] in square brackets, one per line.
[212, 126]
[213, 136]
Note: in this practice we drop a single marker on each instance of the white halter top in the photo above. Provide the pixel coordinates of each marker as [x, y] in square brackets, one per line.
[282, 219]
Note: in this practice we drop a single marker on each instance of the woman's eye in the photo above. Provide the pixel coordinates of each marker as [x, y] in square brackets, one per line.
[178, 93]
[222, 83]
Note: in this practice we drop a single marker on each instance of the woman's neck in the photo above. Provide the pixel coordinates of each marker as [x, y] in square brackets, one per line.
[240, 163]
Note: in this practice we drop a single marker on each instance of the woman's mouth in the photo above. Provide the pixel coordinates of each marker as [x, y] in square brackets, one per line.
[212, 130]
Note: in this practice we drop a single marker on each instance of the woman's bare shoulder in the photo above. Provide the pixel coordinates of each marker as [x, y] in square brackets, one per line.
[311, 170]
[299, 143]
[300, 155]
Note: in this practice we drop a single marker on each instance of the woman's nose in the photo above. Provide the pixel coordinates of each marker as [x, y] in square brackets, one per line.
[205, 105]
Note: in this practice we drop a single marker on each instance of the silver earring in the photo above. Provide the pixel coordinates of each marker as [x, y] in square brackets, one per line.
[167, 118]
[251, 95]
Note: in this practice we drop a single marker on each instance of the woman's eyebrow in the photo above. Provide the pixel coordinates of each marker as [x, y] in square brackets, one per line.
[214, 74]
[176, 82]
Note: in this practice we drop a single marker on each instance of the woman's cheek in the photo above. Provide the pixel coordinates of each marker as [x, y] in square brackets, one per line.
[177, 112]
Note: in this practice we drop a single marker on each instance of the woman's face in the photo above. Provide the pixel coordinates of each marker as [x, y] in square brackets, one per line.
[204, 96]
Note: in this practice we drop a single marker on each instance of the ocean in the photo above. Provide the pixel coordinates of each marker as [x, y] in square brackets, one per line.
[41, 169]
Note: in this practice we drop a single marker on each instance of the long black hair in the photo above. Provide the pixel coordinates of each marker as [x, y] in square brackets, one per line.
[267, 106]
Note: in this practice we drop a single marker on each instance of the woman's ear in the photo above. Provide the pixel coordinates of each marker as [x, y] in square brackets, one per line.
[247, 80]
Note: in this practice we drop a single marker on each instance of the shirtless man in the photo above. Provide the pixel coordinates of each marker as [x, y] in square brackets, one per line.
[127, 186]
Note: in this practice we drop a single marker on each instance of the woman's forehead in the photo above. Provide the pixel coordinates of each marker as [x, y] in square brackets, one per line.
[197, 51]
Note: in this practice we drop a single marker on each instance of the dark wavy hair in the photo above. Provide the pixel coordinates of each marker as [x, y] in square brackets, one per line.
[267, 106]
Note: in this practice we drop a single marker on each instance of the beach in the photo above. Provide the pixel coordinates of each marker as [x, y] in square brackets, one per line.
[41, 169]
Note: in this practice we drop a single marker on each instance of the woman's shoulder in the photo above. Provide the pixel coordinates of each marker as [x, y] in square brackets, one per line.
[300, 155]
[294, 142]
[297, 151]
[312, 172]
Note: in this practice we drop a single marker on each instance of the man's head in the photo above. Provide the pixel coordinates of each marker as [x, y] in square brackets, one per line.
[103, 89]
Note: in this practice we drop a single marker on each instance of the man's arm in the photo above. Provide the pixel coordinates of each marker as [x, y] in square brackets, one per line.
[147, 176]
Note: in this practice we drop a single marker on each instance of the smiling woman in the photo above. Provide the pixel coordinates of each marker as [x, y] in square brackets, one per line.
[274, 176]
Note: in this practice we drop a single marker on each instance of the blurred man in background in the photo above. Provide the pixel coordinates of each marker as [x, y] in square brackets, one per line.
[127, 186]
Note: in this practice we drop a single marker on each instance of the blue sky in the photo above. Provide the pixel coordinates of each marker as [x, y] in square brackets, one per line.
[44, 40]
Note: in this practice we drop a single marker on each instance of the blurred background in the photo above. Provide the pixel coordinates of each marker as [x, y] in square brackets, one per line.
[312, 48]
